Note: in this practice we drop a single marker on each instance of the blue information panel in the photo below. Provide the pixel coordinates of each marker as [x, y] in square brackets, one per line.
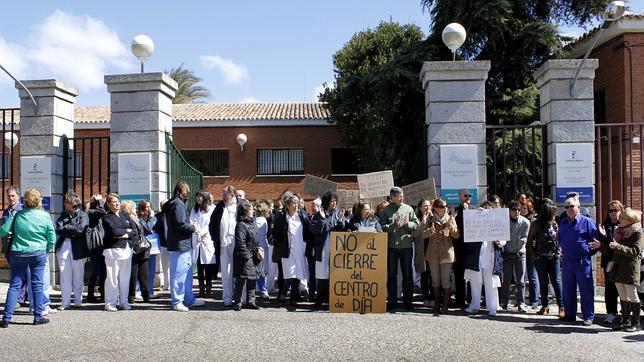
[585, 194]
[451, 196]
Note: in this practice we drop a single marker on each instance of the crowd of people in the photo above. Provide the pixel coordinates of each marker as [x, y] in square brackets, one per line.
[281, 248]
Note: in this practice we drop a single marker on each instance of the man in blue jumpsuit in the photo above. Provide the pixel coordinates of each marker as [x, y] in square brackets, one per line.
[576, 232]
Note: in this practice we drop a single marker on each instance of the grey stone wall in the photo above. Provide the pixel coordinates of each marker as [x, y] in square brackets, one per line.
[141, 106]
[455, 112]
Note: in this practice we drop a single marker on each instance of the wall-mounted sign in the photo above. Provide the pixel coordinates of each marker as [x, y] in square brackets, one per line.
[458, 171]
[574, 170]
[134, 176]
[35, 171]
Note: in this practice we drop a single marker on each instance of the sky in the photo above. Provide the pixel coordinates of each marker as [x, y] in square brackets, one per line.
[245, 51]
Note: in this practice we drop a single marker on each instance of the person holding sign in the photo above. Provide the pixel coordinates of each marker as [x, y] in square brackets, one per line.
[328, 219]
[400, 222]
[440, 230]
[483, 262]
[290, 234]
[364, 219]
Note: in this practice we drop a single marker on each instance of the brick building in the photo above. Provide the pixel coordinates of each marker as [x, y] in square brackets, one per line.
[285, 141]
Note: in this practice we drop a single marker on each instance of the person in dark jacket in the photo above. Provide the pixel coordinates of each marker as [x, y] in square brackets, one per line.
[364, 220]
[117, 244]
[147, 221]
[139, 271]
[222, 232]
[542, 240]
[71, 250]
[483, 263]
[615, 209]
[624, 269]
[247, 266]
[291, 232]
[95, 212]
[179, 238]
[325, 221]
[465, 196]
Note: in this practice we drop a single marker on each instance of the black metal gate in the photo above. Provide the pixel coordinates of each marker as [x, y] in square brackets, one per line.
[10, 150]
[180, 169]
[87, 167]
[517, 161]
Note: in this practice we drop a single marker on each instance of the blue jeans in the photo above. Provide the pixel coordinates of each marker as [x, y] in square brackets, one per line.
[513, 265]
[405, 257]
[45, 286]
[19, 263]
[549, 270]
[181, 278]
[152, 270]
[531, 269]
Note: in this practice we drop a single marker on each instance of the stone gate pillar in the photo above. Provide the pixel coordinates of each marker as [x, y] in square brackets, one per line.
[41, 146]
[570, 128]
[455, 115]
[141, 114]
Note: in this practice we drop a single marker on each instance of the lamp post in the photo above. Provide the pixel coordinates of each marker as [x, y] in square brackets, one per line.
[614, 11]
[454, 36]
[142, 48]
[241, 140]
[11, 140]
[23, 87]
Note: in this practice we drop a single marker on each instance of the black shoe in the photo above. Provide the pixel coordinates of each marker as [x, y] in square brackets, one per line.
[568, 318]
[237, 307]
[4, 324]
[40, 321]
[251, 306]
[408, 307]
[91, 299]
[391, 307]
[293, 303]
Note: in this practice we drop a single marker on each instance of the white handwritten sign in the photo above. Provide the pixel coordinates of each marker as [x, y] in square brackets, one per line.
[346, 199]
[375, 184]
[486, 225]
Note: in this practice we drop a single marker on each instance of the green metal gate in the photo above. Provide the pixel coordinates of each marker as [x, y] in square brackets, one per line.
[180, 169]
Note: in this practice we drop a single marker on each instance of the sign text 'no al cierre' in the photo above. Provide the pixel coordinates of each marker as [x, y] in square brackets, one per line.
[358, 280]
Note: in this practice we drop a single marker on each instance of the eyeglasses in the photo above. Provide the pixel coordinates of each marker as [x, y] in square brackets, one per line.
[613, 210]
[441, 206]
[467, 195]
[570, 207]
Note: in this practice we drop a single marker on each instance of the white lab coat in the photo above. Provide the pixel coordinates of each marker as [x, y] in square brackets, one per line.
[203, 247]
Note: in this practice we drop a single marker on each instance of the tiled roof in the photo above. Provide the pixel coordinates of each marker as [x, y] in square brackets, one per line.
[589, 34]
[213, 112]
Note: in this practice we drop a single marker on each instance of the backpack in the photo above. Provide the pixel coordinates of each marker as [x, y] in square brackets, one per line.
[94, 237]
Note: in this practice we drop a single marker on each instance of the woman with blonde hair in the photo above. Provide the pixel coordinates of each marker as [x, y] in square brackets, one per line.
[117, 244]
[33, 237]
[624, 269]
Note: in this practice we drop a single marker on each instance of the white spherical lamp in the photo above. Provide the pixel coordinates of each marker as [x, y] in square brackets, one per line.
[454, 36]
[142, 48]
[241, 140]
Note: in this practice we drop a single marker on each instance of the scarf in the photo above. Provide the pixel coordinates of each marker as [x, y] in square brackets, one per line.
[622, 233]
[441, 220]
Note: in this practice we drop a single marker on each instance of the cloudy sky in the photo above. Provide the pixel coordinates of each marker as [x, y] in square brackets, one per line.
[245, 51]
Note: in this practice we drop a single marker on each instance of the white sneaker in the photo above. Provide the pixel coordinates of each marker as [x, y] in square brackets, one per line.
[180, 307]
[110, 308]
[198, 302]
[63, 307]
[138, 297]
[126, 307]
[48, 310]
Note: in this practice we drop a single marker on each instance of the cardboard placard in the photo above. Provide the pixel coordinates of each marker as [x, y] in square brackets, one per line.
[486, 225]
[316, 186]
[346, 199]
[358, 279]
[419, 190]
[376, 184]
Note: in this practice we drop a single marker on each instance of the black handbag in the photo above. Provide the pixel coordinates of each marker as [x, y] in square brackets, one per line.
[7, 241]
[94, 237]
[141, 243]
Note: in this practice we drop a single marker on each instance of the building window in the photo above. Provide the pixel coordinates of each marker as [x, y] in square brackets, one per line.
[344, 162]
[5, 166]
[288, 161]
[210, 162]
[600, 106]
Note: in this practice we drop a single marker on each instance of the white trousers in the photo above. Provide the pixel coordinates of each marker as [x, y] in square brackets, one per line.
[226, 260]
[117, 281]
[485, 278]
[72, 273]
[164, 274]
[272, 270]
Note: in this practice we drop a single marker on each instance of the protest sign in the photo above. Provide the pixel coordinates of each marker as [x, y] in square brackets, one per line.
[358, 274]
[316, 186]
[375, 184]
[486, 225]
[346, 199]
[419, 190]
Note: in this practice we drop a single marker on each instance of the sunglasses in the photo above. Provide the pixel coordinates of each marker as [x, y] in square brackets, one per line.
[570, 207]
[613, 210]
[467, 195]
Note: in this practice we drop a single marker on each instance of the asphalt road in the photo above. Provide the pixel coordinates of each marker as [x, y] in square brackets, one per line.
[153, 331]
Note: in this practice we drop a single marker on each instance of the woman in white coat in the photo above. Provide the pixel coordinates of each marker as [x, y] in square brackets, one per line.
[483, 264]
[202, 245]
